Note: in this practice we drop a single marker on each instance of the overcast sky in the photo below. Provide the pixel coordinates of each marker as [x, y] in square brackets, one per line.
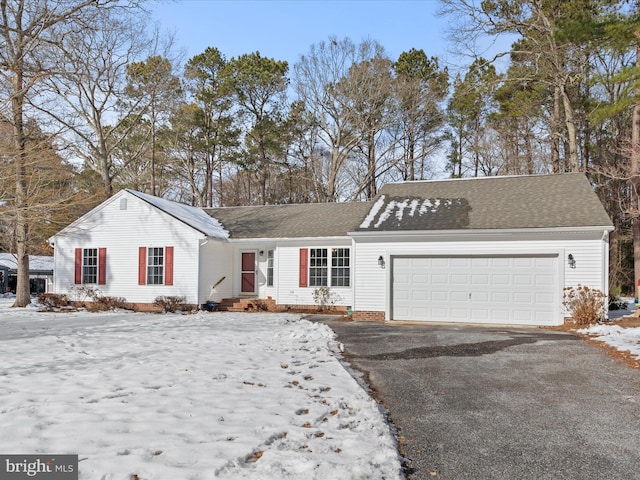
[285, 29]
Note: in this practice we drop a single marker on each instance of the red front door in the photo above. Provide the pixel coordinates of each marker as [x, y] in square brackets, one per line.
[248, 272]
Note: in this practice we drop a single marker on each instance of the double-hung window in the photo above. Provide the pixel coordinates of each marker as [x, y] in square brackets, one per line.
[318, 267]
[155, 266]
[340, 268]
[270, 268]
[90, 266]
[325, 267]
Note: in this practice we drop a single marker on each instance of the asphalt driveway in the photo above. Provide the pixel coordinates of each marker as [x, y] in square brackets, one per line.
[500, 403]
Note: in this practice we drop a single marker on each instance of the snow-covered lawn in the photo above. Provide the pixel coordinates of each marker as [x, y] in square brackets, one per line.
[203, 396]
[622, 339]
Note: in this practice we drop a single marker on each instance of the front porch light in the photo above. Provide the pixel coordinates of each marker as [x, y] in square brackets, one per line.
[381, 261]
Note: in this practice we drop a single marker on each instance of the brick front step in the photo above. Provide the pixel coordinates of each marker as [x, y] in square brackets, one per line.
[247, 304]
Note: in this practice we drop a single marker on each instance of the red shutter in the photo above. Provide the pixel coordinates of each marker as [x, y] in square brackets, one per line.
[304, 265]
[102, 266]
[142, 265]
[78, 267]
[168, 267]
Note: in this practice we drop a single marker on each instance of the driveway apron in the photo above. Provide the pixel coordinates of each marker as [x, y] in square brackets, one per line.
[500, 403]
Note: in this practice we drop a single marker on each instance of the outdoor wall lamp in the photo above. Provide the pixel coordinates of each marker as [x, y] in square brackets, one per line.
[572, 261]
[381, 261]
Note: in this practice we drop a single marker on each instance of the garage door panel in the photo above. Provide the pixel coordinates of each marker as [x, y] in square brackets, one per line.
[520, 298]
[479, 297]
[544, 298]
[545, 262]
[523, 262]
[459, 279]
[440, 296]
[501, 262]
[480, 314]
[521, 280]
[419, 295]
[442, 279]
[480, 262]
[498, 289]
[500, 297]
[460, 262]
[480, 279]
[459, 314]
[544, 279]
[459, 296]
[501, 279]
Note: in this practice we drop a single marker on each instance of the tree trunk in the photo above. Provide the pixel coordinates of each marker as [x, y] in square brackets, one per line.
[371, 154]
[635, 173]
[412, 151]
[555, 132]
[23, 297]
[476, 147]
[572, 135]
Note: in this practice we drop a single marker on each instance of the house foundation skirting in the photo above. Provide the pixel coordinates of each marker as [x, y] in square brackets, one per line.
[368, 316]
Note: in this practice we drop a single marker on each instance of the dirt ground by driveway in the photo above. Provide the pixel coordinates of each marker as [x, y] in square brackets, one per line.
[500, 403]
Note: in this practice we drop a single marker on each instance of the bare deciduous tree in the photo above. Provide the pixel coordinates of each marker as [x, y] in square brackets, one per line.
[32, 33]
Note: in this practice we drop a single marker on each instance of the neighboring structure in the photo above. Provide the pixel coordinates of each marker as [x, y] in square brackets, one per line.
[482, 250]
[40, 273]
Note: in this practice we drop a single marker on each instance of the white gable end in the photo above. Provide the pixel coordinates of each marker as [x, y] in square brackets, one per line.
[121, 226]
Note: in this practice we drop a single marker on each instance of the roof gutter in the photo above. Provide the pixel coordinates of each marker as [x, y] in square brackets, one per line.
[479, 232]
[289, 239]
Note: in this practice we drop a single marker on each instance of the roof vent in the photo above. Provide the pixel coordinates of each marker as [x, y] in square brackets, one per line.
[123, 204]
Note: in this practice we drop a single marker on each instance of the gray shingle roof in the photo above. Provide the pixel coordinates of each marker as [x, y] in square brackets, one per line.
[543, 201]
[291, 221]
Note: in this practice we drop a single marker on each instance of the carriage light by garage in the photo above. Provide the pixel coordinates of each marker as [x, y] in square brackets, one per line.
[381, 261]
[572, 261]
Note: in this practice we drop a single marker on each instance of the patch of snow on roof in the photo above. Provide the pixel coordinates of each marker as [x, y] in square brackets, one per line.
[429, 206]
[193, 216]
[36, 262]
[413, 207]
[401, 207]
[366, 223]
[386, 214]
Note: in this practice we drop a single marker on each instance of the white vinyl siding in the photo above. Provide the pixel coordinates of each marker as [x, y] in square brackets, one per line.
[372, 283]
[287, 268]
[111, 227]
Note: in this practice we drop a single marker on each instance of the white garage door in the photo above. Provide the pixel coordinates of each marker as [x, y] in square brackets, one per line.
[480, 289]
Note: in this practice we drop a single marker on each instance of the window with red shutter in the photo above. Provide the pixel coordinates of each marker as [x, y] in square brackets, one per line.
[142, 265]
[304, 267]
[168, 268]
[77, 277]
[102, 266]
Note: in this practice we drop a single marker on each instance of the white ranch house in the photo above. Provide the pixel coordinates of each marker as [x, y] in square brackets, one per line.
[483, 250]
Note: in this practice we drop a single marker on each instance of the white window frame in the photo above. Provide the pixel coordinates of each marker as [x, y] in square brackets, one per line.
[327, 268]
[90, 266]
[156, 265]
